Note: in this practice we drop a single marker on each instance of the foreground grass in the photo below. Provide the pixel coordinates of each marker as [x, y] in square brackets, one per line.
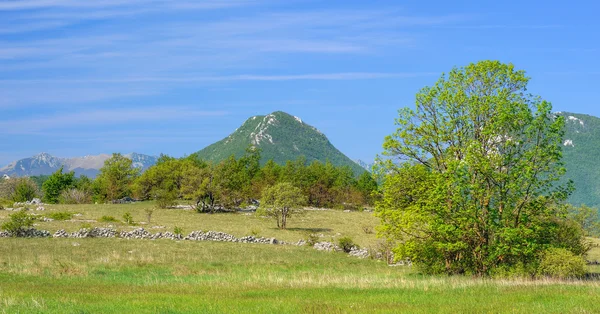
[118, 276]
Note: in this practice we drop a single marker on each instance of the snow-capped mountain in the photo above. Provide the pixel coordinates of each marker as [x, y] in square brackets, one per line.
[46, 164]
[365, 165]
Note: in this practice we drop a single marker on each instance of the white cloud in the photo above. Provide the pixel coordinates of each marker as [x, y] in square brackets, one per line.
[105, 117]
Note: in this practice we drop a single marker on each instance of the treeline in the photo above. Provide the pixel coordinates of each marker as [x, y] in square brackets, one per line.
[232, 183]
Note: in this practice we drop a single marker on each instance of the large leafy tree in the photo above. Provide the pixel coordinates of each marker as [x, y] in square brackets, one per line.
[56, 184]
[115, 178]
[470, 178]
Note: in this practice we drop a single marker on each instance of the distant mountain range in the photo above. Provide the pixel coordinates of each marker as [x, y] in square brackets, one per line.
[45, 164]
[281, 137]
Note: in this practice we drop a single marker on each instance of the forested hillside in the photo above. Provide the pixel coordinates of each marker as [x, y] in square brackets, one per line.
[281, 137]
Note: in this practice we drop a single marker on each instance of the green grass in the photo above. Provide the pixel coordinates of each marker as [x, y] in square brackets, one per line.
[328, 225]
[115, 275]
[164, 276]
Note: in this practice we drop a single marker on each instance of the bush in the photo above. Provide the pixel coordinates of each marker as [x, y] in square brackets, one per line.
[25, 190]
[165, 198]
[75, 196]
[312, 239]
[561, 264]
[178, 230]
[19, 222]
[346, 244]
[128, 218]
[108, 219]
[60, 215]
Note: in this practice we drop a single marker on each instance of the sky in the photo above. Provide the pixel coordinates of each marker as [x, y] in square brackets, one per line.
[173, 76]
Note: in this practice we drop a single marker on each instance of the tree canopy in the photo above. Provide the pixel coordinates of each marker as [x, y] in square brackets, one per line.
[470, 175]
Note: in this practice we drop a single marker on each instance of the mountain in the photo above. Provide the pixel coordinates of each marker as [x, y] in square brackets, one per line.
[45, 164]
[581, 154]
[281, 137]
[365, 165]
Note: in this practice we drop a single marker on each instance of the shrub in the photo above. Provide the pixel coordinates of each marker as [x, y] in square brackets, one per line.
[108, 219]
[25, 190]
[75, 196]
[60, 215]
[312, 239]
[178, 230]
[165, 198]
[561, 264]
[128, 218]
[346, 244]
[19, 222]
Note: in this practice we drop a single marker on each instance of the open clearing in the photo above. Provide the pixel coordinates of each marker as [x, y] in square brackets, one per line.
[164, 276]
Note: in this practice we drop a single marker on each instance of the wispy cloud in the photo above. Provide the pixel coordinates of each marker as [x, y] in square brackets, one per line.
[106, 117]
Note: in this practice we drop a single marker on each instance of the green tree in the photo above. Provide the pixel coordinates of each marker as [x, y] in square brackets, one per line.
[163, 181]
[56, 184]
[115, 178]
[476, 188]
[367, 186]
[201, 186]
[281, 202]
[588, 219]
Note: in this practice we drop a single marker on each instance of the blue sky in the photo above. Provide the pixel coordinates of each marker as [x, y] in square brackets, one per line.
[172, 76]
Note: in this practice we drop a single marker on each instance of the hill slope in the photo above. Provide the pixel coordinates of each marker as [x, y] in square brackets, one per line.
[46, 164]
[281, 137]
[581, 154]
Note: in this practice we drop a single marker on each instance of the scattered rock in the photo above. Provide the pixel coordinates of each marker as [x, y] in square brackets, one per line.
[360, 253]
[326, 246]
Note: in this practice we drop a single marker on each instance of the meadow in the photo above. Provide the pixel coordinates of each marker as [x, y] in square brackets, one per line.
[164, 276]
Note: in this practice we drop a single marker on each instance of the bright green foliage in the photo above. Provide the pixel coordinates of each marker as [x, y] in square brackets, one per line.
[234, 183]
[108, 219]
[18, 222]
[201, 186]
[562, 264]
[281, 202]
[346, 243]
[128, 219]
[163, 181]
[115, 178]
[60, 215]
[56, 184]
[477, 188]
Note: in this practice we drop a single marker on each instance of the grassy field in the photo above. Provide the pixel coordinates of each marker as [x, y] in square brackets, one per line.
[164, 276]
[329, 224]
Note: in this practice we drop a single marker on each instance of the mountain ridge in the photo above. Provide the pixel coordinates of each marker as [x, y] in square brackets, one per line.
[281, 137]
[89, 165]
